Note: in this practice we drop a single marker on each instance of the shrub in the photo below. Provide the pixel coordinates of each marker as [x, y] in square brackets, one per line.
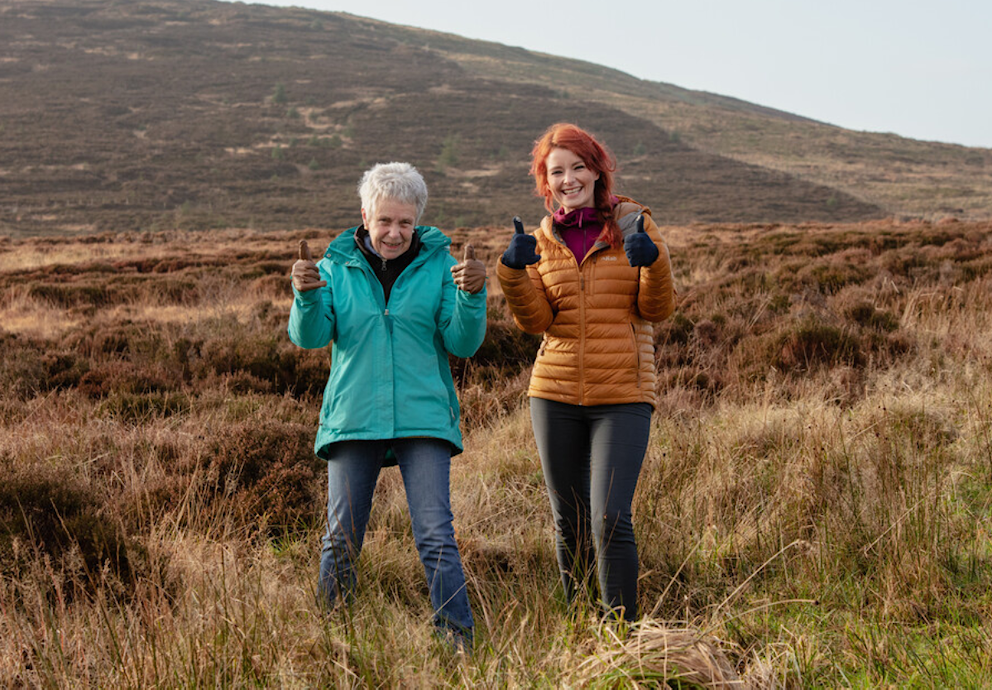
[34, 366]
[51, 511]
[979, 268]
[831, 276]
[269, 358]
[275, 286]
[63, 370]
[865, 314]
[124, 339]
[450, 152]
[264, 473]
[675, 331]
[21, 368]
[140, 407]
[812, 343]
[69, 295]
[173, 291]
[904, 262]
[122, 377]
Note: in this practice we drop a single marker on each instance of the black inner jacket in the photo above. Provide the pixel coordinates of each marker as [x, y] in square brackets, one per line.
[387, 271]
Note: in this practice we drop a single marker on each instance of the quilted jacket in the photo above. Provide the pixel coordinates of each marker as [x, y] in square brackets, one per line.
[598, 346]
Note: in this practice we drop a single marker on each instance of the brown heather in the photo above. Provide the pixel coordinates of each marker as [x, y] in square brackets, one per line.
[813, 510]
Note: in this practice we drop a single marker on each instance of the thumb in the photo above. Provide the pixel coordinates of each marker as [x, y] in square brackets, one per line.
[518, 226]
[469, 253]
[640, 223]
[305, 254]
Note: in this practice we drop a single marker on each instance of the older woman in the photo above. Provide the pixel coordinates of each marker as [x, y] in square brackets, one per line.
[591, 279]
[395, 304]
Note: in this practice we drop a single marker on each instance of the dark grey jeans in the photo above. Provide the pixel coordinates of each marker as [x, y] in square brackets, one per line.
[591, 458]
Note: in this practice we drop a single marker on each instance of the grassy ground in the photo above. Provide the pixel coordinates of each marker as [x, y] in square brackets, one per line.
[814, 509]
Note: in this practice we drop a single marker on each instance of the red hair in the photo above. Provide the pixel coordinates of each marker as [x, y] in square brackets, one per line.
[596, 157]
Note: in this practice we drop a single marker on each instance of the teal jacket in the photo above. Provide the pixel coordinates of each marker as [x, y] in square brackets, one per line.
[389, 362]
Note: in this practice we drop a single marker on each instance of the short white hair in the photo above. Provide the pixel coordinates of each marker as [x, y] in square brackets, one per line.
[399, 181]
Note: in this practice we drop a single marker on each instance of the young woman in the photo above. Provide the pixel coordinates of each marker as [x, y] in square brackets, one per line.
[395, 303]
[592, 278]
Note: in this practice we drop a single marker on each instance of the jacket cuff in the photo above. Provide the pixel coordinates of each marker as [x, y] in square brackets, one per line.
[308, 297]
[473, 298]
[509, 273]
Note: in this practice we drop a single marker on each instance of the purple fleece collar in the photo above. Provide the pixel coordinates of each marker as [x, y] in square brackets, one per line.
[579, 218]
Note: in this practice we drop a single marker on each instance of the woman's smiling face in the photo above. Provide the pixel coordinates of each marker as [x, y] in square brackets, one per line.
[572, 183]
[391, 227]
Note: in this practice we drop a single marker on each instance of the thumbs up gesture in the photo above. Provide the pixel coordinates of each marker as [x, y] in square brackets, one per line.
[638, 246]
[306, 275]
[470, 273]
[522, 251]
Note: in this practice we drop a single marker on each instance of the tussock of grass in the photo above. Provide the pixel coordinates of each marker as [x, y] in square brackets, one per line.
[653, 655]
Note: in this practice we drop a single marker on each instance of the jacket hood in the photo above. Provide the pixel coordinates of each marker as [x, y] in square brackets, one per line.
[343, 249]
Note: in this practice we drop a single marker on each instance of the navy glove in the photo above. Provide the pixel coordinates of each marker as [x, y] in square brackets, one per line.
[640, 250]
[521, 252]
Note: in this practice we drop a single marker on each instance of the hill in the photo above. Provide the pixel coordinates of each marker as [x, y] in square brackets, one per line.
[195, 114]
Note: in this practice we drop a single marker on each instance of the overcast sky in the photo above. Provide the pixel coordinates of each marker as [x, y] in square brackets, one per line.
[918, 69]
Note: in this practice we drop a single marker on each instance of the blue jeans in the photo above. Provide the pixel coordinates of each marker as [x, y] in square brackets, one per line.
[591, 457]
[352, 471]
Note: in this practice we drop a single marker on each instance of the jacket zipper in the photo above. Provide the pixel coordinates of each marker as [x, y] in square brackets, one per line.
[582, 337]
[582, 311]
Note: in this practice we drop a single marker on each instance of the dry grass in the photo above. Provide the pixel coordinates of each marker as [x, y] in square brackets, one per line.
[813, 511]
[655, 654]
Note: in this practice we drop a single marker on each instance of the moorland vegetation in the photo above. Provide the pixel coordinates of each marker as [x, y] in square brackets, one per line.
[814, 509]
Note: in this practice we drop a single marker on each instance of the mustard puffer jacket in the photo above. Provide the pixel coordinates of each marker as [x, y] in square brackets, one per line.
[598, 346]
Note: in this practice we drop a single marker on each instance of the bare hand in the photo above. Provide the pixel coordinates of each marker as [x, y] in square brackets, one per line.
[306, 275]
[470, 274]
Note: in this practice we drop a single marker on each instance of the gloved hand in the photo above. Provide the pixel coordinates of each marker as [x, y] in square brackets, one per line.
[470, 274]
[306, 275]
[640, 249]
[522, 250]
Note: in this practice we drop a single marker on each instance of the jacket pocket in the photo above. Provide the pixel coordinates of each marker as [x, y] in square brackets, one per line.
[637, 355]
